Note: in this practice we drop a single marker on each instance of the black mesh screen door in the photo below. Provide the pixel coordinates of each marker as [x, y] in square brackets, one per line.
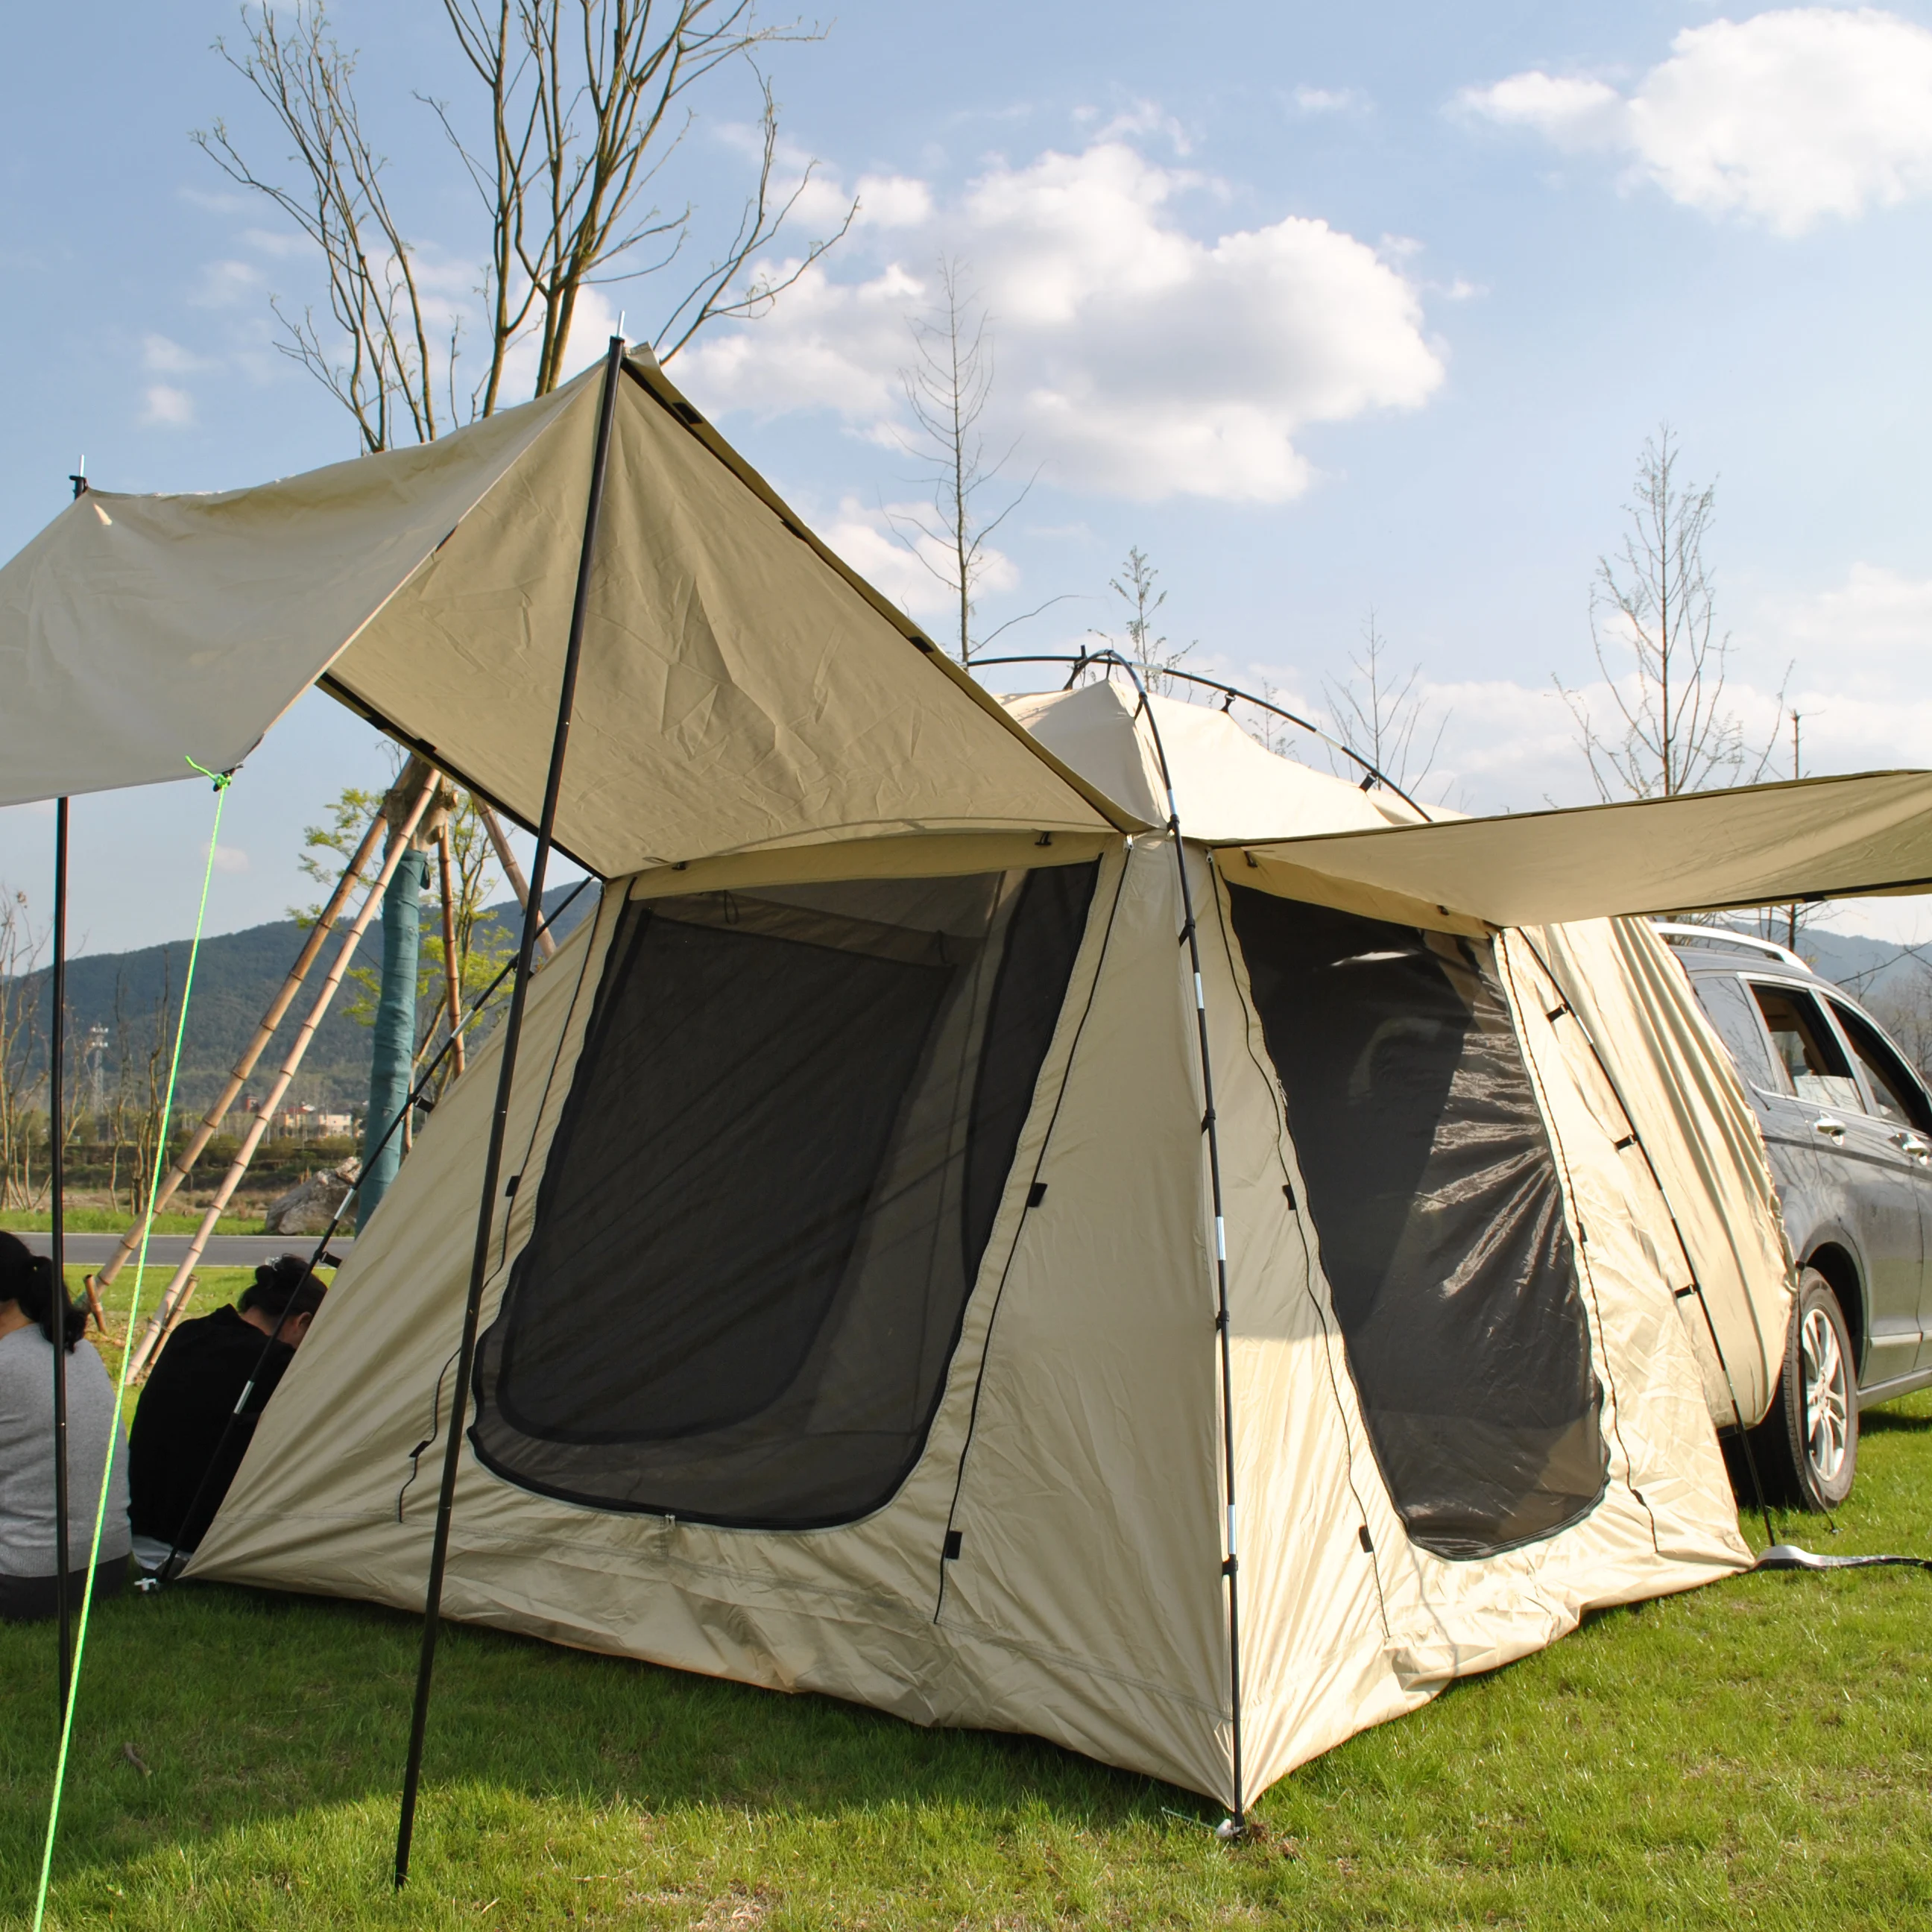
[1434, 1196]
[785, 1146]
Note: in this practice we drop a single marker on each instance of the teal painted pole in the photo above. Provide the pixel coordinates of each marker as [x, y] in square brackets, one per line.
[395, 1043]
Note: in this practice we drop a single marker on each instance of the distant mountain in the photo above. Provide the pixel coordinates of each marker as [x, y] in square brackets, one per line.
[236, 976]
[1865, 967]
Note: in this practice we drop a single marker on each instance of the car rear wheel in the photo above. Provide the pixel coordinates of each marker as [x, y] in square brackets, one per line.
[1808, 1444]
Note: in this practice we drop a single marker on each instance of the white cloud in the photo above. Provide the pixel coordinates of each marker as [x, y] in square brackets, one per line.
[1134, 358]
[164, 407]
[893, 201]
[230, 858]
[1329, 100]
[224, 283]
[1785, 118]
[1143, 117]
[914, 575]
[167, 358]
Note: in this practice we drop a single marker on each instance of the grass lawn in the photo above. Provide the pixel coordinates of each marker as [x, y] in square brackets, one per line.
[105, 1221]
[1758, 1753]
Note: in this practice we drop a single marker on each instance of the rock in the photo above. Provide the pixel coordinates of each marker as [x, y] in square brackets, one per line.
[307, 1207]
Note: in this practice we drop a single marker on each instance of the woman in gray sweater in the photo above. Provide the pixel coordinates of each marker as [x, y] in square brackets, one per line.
[28, 1528]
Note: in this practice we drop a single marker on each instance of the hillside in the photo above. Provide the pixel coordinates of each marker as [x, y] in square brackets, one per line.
[237, 975]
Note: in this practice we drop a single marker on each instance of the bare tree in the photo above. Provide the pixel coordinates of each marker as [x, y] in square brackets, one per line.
[1653, 626]
[584, 103]
[947, 390]
[1904, 1010]
[1148, 650]
[139, 1122]
[1384, 717]
[22, 1048]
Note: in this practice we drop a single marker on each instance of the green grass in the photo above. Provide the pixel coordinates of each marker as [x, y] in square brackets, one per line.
[105, 1221]
[1759, 1753]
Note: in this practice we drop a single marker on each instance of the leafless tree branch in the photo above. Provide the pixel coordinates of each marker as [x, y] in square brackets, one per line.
[584, 103]
[1653, 629]
[1382, 718]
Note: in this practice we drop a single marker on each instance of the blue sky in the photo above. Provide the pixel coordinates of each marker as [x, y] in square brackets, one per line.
[1326, 309]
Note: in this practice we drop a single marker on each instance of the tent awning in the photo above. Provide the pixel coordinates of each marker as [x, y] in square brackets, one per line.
[740, 687]
[1830, 838]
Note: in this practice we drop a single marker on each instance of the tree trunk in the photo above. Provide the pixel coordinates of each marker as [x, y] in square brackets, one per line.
[395, 1041]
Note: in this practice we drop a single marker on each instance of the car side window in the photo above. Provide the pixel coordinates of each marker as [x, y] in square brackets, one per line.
[1733, 1013]
[1813, 1062]
[1897, 1098]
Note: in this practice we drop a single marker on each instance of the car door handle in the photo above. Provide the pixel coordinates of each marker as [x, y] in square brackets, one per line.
[1826, 1124]
[1911, 1143]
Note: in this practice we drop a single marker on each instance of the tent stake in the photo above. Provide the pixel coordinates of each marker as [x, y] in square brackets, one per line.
[57, 1248]
[466, 1361]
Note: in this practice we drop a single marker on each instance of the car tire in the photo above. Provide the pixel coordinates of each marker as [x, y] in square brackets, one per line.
[1807, 1447]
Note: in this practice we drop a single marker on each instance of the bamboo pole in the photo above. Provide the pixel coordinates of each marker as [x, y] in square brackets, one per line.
[519, 884]
[451, 974]
[154, 1336]
[298, 1047]
[211, 1121]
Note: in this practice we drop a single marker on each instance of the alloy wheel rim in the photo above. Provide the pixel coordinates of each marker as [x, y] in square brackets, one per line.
[1827, 1405]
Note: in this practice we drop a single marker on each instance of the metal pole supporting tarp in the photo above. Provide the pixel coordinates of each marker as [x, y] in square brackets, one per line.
[57, 1249]
[466, 1361]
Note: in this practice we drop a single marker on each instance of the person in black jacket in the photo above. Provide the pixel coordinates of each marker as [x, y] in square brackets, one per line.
[182, 1454]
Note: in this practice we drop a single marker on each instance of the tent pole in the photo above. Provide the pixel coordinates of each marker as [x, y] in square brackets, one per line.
[57, 1248]
[465, 1361]
[1236, 1825]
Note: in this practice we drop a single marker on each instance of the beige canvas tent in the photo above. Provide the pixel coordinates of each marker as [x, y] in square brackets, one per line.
[876, 1303]
[853, 1326]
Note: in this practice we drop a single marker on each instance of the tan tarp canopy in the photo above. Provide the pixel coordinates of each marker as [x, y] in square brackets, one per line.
[1754, 845]
[740, 687]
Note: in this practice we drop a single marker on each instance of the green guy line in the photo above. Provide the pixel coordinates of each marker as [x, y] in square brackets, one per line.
[221, 783]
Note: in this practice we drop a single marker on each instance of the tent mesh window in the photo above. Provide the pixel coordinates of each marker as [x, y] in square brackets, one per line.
[784, 1148]
[1429, 1180]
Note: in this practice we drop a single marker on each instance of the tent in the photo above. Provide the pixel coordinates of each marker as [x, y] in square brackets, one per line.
[914, 1276]
[853, 1326]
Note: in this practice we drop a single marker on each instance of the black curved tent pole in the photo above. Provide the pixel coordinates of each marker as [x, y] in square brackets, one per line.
[1230, 694]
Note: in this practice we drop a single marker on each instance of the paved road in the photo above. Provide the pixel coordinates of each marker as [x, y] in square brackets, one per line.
[167, 1250]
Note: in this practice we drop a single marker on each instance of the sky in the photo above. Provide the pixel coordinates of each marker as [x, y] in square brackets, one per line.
[1338, 315]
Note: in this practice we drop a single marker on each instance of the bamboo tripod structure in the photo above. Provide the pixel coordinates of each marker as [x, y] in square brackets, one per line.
[184, 1161]
[520, 886]
[174, 1302]
[452, 974]
[159, 1322]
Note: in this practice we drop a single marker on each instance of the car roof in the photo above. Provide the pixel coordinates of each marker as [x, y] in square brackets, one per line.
[1705, 948]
